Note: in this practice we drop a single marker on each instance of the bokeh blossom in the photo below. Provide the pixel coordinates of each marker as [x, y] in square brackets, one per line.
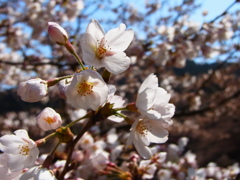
[37, 173]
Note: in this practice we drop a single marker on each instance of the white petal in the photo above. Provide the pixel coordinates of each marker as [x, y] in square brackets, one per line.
[89, 47]
[162, 97]
[44, 174]
[93, 100]
[150, 82]
[130, 139]
[16, 162]
[10, 143]
[144, 151]
[157, 134]
[166, 111]
[117, 63]
[22, 133]
[118, 39]
[145, 99]
[153, 114]
[95, 29]
[116, 119]
[141, 139]
[29, 173]
[80, 102]
[33, 155]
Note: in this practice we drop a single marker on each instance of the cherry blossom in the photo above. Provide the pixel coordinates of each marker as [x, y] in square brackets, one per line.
[57, 33]
[21, 150]
[145, 131]
[32, 90]
[106, 50]
[152, 101]
[87, 90]
[49, 119]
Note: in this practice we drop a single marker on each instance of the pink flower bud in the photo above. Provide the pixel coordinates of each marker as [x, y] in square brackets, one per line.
[49, 119]
[32, 90]
[57, 33]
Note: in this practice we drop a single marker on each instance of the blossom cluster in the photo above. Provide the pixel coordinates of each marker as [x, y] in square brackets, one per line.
[187, 40]
[88, 90]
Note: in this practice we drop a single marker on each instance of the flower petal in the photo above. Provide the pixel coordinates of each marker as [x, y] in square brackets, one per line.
[16, 162]
[145, 99]
[152, 114]
[89, 48]
[9, 143]
[144, 151]
[118, 39]
[117, 63]
[157, 134]
[164, 97]
[150, 82]
[21, 133]
[95, 29]
[94, 101]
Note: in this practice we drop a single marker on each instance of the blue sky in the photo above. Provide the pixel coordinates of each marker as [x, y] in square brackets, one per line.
[214, 8]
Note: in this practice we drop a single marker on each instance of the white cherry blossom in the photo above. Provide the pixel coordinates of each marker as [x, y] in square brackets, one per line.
[49, 119]
[21, 150]
[87, 90]
[32, 90]
[106, 50]
[144, 132]
[153, 101]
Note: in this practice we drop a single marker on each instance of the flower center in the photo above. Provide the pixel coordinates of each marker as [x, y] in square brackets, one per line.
[142, 128]
[49, 120]
[101, 49]
[23, 150]
[85, 88]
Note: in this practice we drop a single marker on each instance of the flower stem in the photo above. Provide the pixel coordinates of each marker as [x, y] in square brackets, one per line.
[74, 122]
[54, 81]
[78, 60]
[71, 49]
[127, 119]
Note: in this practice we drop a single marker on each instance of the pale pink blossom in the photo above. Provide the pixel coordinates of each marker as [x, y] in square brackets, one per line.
[49, 119]
[147, 167]
[32, 90]
[57, 33]
[106, 50]
[87, 90]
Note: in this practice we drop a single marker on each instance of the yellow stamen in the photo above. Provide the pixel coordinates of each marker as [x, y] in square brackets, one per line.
[85, 88]
[50, 120]
[24, 150]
